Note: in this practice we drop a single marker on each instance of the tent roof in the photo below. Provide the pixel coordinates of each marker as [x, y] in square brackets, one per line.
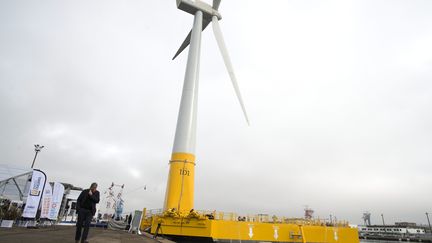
[9, 171]
[13, 182]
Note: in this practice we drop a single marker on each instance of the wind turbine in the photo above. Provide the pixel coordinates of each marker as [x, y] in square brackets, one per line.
[211, 14]
[179, 195]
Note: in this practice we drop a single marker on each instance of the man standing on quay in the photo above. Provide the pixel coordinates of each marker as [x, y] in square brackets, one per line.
[86, 207]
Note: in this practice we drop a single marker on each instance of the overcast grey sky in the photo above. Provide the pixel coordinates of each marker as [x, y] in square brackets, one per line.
[339, 95]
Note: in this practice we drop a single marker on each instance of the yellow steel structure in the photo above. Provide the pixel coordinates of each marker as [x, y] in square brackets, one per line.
[180, 187]
[200, 227]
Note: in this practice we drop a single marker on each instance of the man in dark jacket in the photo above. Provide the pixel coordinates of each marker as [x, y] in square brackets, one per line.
[86, 208]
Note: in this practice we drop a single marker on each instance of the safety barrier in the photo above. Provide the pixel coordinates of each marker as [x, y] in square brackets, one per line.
[262, 218]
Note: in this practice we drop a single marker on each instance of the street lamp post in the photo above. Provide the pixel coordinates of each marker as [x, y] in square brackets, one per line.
[38, 148]
[427, 216]
[382, 216]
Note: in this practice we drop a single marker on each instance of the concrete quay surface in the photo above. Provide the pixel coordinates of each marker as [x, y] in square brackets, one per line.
[66, 234]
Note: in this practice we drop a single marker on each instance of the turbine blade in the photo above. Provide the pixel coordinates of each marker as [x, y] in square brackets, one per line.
[221, 43]
[216, 4]
[183, 46]
[186, 42]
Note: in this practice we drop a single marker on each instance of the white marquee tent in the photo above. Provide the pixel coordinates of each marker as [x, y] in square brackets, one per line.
[14, 182]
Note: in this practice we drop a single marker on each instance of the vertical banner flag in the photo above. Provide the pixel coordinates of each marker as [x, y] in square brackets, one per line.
[57, 198]
[136, 220]
[46, 201]
[37, 185]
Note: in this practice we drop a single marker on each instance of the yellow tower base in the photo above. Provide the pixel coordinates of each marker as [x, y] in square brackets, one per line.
[212, 227]
[180, 187]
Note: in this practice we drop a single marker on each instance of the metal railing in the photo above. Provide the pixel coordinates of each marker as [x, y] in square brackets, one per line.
[261, 218]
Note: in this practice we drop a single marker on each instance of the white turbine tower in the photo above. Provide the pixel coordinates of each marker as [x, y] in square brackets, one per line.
[180, 187]
[211, 14]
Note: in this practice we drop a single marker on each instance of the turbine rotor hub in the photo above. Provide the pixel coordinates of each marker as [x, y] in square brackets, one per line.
[192, 6]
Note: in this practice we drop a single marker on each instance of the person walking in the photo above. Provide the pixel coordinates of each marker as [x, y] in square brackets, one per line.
[86, 208]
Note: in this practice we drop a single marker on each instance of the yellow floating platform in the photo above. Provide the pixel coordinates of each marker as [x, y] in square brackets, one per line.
[197, 227]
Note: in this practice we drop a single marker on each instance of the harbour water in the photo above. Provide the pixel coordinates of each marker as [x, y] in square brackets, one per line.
[379, 241]
[423, 238]
[376, 241]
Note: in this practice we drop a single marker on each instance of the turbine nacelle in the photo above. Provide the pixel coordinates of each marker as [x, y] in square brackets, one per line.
[192, 6]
